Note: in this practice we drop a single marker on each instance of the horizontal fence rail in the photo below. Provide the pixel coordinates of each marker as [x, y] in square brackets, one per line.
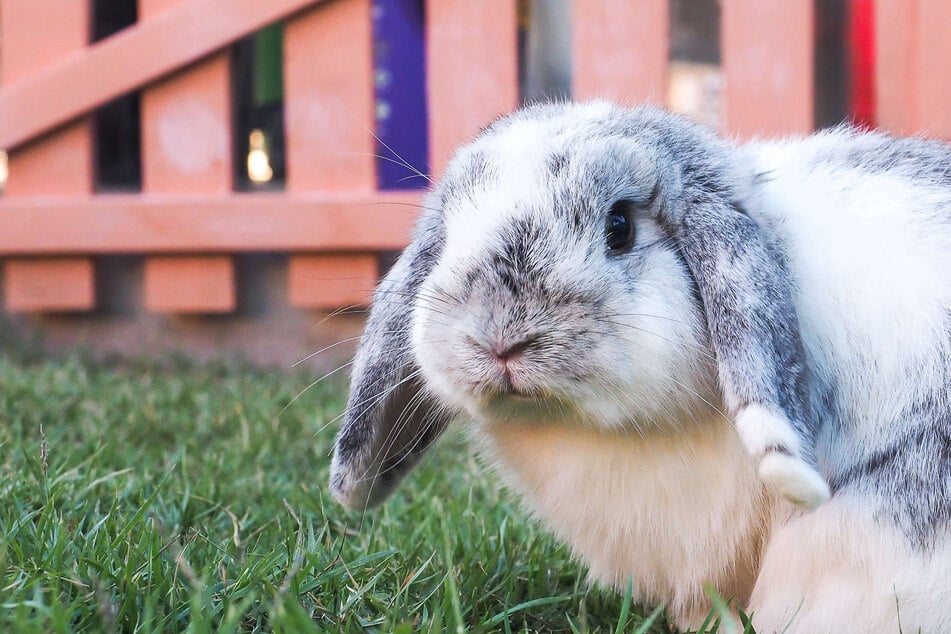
[176, 223]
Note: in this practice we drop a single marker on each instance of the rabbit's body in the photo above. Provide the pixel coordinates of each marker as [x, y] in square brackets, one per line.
[628, 503]
[669, 345]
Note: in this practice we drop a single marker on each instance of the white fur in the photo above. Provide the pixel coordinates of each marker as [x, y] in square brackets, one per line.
[760, 428]
[794, 480]
[873, 274]
[787, 474]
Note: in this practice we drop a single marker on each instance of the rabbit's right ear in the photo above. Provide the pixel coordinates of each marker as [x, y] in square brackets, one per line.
[746, 294]
[390, 419]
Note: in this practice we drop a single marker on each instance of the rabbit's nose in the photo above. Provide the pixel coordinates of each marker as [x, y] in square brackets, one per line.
[502, 348]
[509, 350]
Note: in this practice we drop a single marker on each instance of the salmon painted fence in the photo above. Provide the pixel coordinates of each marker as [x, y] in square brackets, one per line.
[330, 219]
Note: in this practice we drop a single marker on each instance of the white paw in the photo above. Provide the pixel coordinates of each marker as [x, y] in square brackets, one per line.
[794, 480]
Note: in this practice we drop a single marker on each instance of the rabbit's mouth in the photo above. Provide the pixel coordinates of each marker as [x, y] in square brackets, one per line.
[515, 404]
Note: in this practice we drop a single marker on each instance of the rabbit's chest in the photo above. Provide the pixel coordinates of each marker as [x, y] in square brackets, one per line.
[671, 510]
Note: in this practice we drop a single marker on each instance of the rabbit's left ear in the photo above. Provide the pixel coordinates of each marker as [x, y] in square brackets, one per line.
[747, 299]
[390, 418]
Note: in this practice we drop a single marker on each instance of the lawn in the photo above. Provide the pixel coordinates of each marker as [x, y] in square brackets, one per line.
[180, 497]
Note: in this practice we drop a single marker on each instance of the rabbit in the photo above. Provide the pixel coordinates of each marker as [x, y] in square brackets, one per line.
[696, 361]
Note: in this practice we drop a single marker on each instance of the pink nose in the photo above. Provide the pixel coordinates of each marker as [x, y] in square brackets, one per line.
[509, 350]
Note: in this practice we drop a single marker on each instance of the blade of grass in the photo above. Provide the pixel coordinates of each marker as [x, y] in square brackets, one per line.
[534, 603]
[625, 607]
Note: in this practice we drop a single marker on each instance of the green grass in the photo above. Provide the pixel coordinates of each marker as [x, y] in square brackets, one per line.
[179, 497]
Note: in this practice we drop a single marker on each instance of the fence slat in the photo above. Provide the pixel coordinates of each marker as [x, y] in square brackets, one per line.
[56, 164]
[767, 52]
[186, 147]
[127, 61]
[934, 68]
[49, 284]
[123, 223]
[912, 66]
[328, 98]
[331, 281]
[329, 109]
[186, 131]
[189, 284]
[472, 67]
[896, 70]
[620, 50]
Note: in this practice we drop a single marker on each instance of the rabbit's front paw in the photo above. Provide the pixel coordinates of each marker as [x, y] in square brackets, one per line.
[772, 440]
[794, 479]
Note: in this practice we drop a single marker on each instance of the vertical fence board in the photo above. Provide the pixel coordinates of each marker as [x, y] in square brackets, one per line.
[912, 65]
[59, 163]
[329, 110]
[186, 147]
[767, 52]
[49, 284]
[896, 65]
[472, 67]
[186, 135]
[331, 281]
[190, 284]
[934, 68]
[620, 50]
[328, 98]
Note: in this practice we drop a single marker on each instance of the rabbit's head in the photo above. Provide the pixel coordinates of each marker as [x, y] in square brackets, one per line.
[588, 265]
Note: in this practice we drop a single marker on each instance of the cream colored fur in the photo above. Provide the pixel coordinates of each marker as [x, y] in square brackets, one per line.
[680, 510]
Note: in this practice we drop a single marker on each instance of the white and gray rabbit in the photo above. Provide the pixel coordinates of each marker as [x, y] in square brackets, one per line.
[697, 362]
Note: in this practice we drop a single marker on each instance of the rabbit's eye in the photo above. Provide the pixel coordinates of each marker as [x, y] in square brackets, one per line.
[619, 228]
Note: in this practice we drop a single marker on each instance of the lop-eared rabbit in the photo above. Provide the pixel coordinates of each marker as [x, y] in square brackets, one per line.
[695, 361]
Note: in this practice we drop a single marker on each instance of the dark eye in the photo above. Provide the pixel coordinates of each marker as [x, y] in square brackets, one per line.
[619, 227]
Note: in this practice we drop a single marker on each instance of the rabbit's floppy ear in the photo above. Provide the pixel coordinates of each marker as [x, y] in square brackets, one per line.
[390, 420]
[746, 293]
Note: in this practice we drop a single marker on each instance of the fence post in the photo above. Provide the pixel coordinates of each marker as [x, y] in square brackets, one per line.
[912, 66]
[620, 50]
[57, 164]
[767, 51]
[187, 148]
[329, 122]
[472, 70]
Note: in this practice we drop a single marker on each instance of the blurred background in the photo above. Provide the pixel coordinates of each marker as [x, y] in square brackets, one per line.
[231, 177]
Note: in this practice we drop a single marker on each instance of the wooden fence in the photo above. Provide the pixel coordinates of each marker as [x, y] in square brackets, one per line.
[331, 221]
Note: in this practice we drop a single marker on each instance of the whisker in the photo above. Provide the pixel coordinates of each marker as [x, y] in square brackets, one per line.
[397, 203]
[334, 345]
[687, 344]
[302, 392]
[324, 349]
[404, 162]
[371, 400]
